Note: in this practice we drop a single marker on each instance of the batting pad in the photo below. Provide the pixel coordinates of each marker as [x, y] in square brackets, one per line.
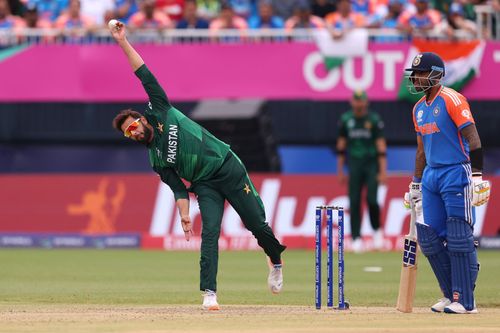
[436, 253]
[464, 264]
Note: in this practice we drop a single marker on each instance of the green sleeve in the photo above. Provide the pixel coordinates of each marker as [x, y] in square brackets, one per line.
[172, 179]
[156, 94]
[342, 128]
[378, 127]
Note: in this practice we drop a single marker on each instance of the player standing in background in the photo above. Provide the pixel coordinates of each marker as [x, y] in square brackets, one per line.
[180, 148]
[447, 182]
[361, 138]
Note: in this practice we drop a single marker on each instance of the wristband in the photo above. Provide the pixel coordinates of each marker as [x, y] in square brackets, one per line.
[476, 159]
[416, 179]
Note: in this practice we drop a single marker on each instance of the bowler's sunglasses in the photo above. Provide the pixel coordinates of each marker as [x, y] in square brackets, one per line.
[132, 127]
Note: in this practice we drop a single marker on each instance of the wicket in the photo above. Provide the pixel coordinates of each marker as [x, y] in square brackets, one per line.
[342, 305]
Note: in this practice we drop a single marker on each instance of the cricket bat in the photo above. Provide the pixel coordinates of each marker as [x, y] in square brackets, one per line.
[408, 280]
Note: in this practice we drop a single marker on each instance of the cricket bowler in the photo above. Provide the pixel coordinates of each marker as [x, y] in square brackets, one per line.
[180, 148]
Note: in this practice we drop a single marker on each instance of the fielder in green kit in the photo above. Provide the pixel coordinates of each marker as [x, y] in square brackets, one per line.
[361, 139]
[180, 148]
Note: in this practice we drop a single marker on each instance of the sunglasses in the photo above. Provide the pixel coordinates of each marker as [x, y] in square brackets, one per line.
[132, 127]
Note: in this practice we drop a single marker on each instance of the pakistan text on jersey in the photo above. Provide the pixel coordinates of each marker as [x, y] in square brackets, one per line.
[172, 143]
[360, 133]
[428, 128]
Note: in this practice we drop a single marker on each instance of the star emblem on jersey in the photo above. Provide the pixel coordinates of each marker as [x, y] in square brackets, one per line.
[160, 127]
[247, 189]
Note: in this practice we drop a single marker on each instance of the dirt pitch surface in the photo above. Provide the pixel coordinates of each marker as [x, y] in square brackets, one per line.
[235, 318]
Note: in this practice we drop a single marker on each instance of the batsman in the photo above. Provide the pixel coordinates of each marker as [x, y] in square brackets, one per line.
[446, 184]
[180, 148]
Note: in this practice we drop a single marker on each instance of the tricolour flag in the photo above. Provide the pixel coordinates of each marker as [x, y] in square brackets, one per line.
[462, 61]
[353, 43]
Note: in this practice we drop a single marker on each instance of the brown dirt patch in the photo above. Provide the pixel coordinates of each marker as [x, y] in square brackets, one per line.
[237, 318]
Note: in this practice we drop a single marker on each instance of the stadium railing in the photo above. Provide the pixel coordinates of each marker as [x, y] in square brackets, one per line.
[10, 37]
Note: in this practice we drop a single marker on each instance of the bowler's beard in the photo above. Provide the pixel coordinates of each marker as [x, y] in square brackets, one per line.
[146, 136]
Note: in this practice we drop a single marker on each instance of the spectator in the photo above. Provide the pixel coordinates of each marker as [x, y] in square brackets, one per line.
[244, 8]
[16, 7]
[456, 21]
[208, 9]
[173, 8]
[390, 19]
[32, 20]
[344, 19]
[303, 18]
[284, 8]
[421, 22]
[73, 18]
[49, 9]
[150, 17]
[364, 7]
[321, 8]
[228, 20]
[125, 9]
[101, 11]
[266, 19]
[7, 20]
[191, 19]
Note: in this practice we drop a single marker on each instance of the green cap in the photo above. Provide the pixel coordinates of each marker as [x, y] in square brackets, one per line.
[360, 95]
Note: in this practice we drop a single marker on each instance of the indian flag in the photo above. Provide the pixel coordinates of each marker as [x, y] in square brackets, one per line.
[462, 61]
[354, 43]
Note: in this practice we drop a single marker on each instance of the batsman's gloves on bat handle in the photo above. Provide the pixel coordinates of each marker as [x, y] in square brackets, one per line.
[480, 190]
[417, 203]
[414, 193]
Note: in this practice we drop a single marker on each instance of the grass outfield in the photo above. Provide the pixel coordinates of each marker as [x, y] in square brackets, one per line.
[146, 291]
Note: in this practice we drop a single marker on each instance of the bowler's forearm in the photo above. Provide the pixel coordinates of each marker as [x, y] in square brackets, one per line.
[133, 57]
[183, 206]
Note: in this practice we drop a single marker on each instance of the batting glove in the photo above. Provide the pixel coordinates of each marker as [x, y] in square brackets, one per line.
[414, 193]
[480, 190]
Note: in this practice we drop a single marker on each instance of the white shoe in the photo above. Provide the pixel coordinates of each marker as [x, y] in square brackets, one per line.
[275, 278]
[358, 246]
[378, 239]
[210, 301]
[456, 307]
[441, 304]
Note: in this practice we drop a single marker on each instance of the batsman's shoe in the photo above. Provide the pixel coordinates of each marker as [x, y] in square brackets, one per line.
[458, 308]
[210, 301]
[441, 304]
[275, 278]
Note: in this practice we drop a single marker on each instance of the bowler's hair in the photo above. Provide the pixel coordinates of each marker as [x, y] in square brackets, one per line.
[122, 116]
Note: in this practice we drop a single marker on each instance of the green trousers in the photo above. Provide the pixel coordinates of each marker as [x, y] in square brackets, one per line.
[231, 183]
[363, 172]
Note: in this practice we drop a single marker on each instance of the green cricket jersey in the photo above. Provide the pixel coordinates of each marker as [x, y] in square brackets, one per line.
[361, 133]
[181, 148]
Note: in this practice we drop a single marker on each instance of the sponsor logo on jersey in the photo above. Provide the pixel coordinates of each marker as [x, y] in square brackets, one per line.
[420, 114]
[172, 143]
[150, 106]
[436, 111]
[428, 128]
[466, 113]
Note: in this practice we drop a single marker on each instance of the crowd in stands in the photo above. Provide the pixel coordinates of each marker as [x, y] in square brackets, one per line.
[408, 16]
